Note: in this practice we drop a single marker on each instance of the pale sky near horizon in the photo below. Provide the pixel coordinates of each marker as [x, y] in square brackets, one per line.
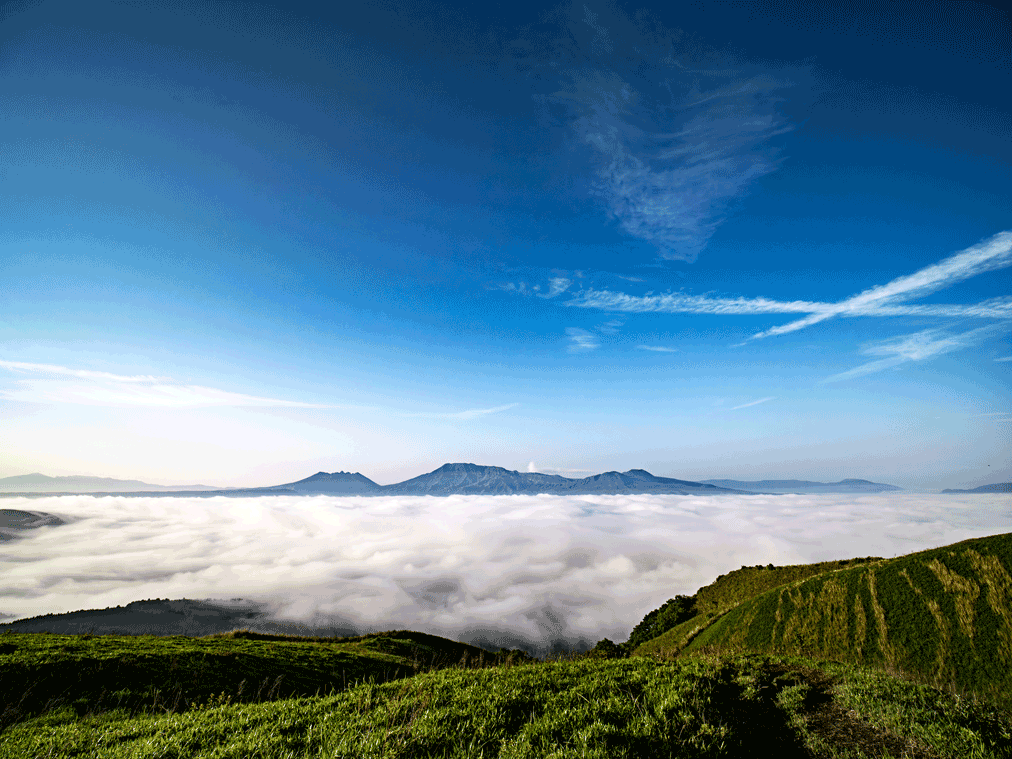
[244, 242]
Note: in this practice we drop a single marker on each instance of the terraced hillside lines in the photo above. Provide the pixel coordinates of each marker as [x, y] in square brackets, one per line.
[741, 584]
[729, 590]
[943, 615]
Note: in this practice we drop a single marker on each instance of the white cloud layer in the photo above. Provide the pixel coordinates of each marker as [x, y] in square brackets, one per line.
[534, 569]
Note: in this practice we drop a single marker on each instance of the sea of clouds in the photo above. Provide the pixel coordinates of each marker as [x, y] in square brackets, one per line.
[540, 572]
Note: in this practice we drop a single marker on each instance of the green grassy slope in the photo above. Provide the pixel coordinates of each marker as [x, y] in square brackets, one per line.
[942, 615]
[94, 673]
[729, 590]
[697, 707]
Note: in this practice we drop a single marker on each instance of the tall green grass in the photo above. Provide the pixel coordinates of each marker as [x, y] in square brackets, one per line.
[636, 707]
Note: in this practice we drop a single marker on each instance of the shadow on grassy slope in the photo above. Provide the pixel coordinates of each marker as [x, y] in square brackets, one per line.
[93, 674]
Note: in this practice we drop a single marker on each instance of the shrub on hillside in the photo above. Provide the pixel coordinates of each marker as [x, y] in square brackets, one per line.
[675, 611]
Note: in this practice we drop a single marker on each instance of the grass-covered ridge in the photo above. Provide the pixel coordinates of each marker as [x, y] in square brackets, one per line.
[669, 629]
[95, 673]
[943, 615]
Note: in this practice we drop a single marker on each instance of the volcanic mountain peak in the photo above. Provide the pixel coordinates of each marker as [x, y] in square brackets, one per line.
[334, 483]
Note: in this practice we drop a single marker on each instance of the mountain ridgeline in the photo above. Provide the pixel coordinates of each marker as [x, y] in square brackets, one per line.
[475, 479]
[449, 479]
[40, 483]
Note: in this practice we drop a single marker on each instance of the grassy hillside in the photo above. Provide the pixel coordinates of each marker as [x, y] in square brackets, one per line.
[638, 707]
[943, 615]
[39, 672]
[724, 593]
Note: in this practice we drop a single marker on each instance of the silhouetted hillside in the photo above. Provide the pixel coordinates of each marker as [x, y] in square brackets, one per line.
[334, 483]
[169, 617]
[998, 487]
[40, 483]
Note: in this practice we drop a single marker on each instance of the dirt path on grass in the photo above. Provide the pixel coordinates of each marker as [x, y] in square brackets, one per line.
[843, 729]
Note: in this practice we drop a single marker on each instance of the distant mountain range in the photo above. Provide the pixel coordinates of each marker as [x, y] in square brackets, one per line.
[40, 483]
[452, 479]
[475, 479]
[804, 487]
[998, 487]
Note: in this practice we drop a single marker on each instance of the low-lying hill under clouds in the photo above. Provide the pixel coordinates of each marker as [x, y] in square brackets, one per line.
[805, 486]
[15, 523]
[998, 487]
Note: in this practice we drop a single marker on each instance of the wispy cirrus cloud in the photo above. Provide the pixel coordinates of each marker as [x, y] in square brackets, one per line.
[473, 413]
[580, 340]
[657, 348]
[676, 133]
[535, 469]
[1006, 358]
[915, 347]
[753, 403]
[556, 286]
[883, 300]
[50, 383]
[988, 255]
[678, 303]
[64, 371]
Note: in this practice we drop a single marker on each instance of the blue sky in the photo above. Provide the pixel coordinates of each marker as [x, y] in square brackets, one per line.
[245, 242]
